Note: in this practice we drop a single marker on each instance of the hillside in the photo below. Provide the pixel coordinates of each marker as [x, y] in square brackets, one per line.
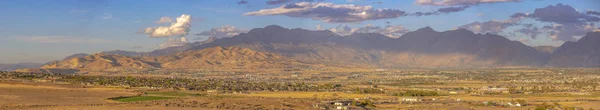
[101, 61]
[583, 53]
[277, 47]
[226, 58]
[422, 48]
[11, 67]
[209, 58]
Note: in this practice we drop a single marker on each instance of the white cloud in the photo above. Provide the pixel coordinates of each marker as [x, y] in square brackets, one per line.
[164, 19]
[107, 16]
[222, 32]
[493, 26]
[459, 2]
[524, 40]
[180, 27]
[64, 39]
[342, 30]
[319, 27]
[172, 42]
[392, 31]
[330, 12]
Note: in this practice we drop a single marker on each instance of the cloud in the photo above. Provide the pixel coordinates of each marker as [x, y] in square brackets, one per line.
[390, 30]
[592, 12]
[524, 40]
[441, 10]
[480, 14]
[570, 31]
[222, 32]
[107, 16]
[342, 30]
[493, 26]
[277, 2]
[180, 27]
[452, 9]
[319, 27]
[567, 23]
[64, 39]
[172, 42]
[530, 30]
[561, 14]
[459, 2]
[424, 13]
[329, 12]
[164, 19]
[393, 31]
[242, 2]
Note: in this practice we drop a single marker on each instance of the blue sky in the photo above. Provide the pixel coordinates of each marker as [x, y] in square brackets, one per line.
[45, 30]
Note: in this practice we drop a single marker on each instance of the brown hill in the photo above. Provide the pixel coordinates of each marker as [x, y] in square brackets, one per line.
[101, 61]
[11, 67]
[209, 58]
[226, 58]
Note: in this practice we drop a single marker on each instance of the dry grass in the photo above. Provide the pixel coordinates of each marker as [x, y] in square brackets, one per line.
[23, 94]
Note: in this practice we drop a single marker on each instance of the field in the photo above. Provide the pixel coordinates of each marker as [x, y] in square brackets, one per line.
[60, 97]
[39, 94]
[434, 90]
[317, 95]
[140, 98]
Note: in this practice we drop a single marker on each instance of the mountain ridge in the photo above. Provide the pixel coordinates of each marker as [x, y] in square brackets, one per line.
[422, 48]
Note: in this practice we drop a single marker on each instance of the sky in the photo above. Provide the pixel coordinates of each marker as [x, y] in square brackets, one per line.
[45, 30]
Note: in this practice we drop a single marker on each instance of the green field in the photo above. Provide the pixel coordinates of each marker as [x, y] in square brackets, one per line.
[140, 98]
[173, 94]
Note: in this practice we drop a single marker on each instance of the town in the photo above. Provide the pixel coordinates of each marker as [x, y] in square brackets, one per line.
[375, 89]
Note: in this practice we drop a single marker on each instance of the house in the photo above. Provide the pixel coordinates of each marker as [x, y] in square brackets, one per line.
[452, 92]
[411, 99]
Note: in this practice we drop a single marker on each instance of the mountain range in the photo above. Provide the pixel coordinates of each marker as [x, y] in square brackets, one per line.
[10, 67]
[277, 47]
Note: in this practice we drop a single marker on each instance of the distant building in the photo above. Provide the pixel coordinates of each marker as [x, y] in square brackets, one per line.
[452, 92]
[411, 99]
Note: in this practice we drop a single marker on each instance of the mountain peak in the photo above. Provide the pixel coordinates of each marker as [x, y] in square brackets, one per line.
[274, 27]
[425, 29]
[591, 36]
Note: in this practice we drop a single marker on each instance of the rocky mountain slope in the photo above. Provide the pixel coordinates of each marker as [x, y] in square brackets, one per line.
[422, 48]
[583, 53]
[101, 61]
[209, 58]
[277, 47]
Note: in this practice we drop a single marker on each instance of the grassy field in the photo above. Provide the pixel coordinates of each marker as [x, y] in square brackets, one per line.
[141, 98]
[173, 94]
